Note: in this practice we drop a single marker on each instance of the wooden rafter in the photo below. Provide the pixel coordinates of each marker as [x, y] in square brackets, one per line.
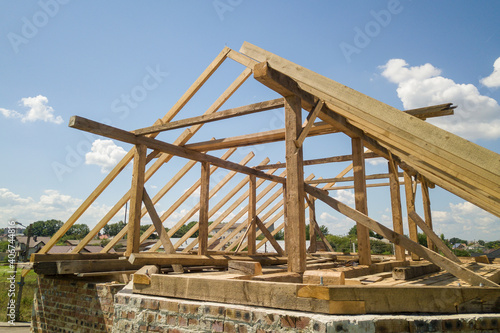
[203, 119]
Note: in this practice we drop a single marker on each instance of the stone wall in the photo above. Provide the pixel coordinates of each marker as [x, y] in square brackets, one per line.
[141, 313]
[69, 305]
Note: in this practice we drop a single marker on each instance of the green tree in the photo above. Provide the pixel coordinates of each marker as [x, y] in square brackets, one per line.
[77, 231]
[422, 239]
[492, 245]
[146, 227]
[4, 246]
[353, 232]
[45, 228]
[481, 242]
[323, 228]
[112, 229]
[456, 240]
[341, 243]
[280, 235]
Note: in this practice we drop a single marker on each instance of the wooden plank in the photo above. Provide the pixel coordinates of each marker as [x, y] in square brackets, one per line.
[204, 201]
[244, 267]
[410, 206]
[269, 237]
[199, 260]
[377, 112]
[83, 266]
[411, 272]
[361, 200]
[241, 58]
[136, 192]
[207, 118]
[397, 212]
[435, 238]
[37, 257]
[432, 111]
[285, 277]
[409, 299]
[118, 134]
[348, 179]
[426, 202]
[295, 236]
[312, 225]
[342, 158]
[482, 259]
[257, 293]
[162, 233]
[309, 123]
[252, 216]
[319, 128]
[445, 263]
[439, 170]
[324, 277]
[143, 275]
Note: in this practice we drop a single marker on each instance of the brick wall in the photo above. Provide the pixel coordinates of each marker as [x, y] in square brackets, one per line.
[140, 313]
[69, 305]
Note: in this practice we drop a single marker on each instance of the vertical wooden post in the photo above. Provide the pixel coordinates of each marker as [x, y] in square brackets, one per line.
[427, 211]
[136, 191]
[252, 209]
[204, 201]
[313, 246]
[410, 206]
[295, 233]
[397, 212]
[360, 199]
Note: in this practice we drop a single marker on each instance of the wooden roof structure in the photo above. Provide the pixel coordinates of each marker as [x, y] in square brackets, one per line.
[426, 155]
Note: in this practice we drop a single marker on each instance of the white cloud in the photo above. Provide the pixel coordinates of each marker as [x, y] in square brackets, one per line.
[476, 117]
[493, 81]
[376, 161]
[38, 110]
[104, 153]
[345, 196]
[51, 205]
[466, 221]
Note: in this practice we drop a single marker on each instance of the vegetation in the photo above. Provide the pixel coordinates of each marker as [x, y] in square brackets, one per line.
[28, 293]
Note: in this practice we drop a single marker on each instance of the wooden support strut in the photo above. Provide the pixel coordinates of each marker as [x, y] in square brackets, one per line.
[445, 263]
[252, 215]
[361, 201]
[397, 213]
[295, 237]
[137, 190]
[162, 233]
[204, 201]
[410, 206]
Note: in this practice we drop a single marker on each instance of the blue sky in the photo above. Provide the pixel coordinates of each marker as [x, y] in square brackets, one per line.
[64, 58]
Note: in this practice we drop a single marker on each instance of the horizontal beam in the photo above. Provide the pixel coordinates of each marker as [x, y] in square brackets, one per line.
[342, 158]
[348, 179]
[319, 128]
[118, 134]
[162, 259]
[226, 114]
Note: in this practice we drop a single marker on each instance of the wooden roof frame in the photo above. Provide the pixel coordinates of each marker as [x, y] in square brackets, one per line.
[426, 153]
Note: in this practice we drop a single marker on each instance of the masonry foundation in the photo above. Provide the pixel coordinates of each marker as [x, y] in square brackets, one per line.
[70, 305]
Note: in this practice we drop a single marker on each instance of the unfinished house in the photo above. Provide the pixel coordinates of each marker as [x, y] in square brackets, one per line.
[224, 282]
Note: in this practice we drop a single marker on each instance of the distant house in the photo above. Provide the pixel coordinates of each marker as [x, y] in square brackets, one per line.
[492, 253]
[459, 246]
[230, 230]
[36, 243]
